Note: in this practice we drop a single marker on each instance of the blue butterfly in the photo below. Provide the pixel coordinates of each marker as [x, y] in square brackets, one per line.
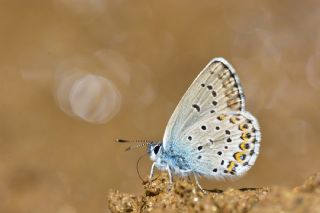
[210, 133]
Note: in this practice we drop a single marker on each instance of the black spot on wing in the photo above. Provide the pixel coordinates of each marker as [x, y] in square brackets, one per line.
[243, 157]
[252, 152]
[197, 107]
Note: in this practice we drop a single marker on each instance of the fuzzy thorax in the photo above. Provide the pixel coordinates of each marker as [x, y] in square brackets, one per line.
[168, 161]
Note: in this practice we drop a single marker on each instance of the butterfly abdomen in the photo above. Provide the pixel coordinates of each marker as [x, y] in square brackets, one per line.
[178, 163]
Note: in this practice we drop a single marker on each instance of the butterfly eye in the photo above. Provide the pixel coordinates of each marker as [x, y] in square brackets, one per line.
[156, 149]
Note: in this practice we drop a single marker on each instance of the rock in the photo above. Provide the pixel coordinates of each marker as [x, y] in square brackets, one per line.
[184, 196]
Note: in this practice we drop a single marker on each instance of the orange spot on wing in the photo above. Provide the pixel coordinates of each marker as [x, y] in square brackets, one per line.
[231, 166]
[221, 117]
[238, 156]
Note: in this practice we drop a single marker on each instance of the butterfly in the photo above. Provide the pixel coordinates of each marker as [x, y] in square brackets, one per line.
[210, 133]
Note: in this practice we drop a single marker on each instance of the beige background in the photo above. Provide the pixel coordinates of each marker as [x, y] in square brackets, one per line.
[151, 51]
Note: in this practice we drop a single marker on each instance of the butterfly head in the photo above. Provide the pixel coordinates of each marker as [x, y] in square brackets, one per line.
[154, 150]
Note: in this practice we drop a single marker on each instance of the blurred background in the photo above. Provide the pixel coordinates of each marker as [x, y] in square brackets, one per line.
[76, 74]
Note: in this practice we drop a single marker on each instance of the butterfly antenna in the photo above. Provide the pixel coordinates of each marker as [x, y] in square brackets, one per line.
[132, 141]
[137, 146]
[144, 143]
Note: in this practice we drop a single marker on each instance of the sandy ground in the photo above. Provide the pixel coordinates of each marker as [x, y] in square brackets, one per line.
[186, 197]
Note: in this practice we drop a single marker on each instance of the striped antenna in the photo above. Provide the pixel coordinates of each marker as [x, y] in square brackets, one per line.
[137, 146]
[143, 143]
[132, 141]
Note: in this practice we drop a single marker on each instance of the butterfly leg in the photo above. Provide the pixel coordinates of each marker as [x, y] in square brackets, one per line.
[170, 178]
[151, 172]
[198, 184]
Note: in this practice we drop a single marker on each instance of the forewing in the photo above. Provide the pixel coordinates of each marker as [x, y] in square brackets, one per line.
[215, 90]
[223, 146]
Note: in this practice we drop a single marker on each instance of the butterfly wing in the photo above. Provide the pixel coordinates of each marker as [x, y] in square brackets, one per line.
[215, 90]
[223, 146]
